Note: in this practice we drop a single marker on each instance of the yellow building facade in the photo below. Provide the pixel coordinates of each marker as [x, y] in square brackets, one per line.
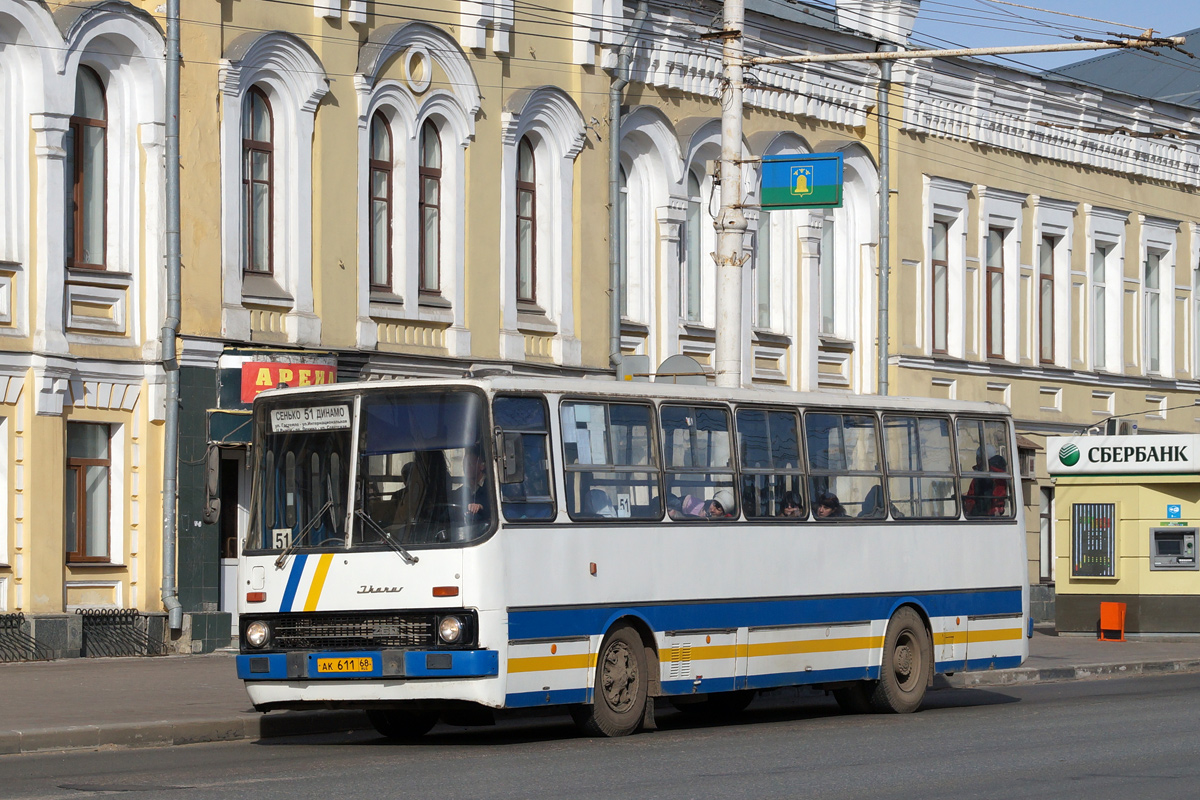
[374, 191]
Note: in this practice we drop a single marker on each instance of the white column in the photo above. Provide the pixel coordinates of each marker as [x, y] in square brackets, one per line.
[50, 268]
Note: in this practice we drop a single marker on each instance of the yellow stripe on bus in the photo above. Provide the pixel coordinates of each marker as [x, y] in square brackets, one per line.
[698, 653]
[318, 582]
[1002, 635]
[815, 646]
[549, 663]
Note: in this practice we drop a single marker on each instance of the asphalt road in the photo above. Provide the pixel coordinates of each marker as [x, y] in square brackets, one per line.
[1128, 738]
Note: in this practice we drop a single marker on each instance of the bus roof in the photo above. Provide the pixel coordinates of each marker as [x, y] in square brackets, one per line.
[664, 391]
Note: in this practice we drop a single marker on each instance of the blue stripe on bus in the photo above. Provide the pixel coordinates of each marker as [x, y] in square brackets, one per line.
[293, 583]
[551, 698]
[1006, 662]
[702, 615]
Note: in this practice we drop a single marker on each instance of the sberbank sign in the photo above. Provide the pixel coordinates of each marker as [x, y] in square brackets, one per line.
[1124, 455]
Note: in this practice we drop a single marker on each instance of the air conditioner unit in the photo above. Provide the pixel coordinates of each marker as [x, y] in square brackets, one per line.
[1120, 427]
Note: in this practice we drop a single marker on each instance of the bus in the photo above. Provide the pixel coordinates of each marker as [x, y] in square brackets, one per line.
[428, 549]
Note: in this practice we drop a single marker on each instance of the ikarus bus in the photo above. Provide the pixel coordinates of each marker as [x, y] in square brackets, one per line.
[426, 548]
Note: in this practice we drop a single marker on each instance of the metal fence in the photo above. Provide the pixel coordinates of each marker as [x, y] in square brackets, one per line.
[16, 644]
[117, 632]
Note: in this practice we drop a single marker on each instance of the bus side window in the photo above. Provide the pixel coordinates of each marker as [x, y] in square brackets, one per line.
[772, 480]
[610, 462]
[985, 467]
[532, 498]
[698, 453]
[845, 479]
[920, 465]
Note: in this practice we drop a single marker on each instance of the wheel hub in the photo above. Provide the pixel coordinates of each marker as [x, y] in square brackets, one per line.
[620, 677]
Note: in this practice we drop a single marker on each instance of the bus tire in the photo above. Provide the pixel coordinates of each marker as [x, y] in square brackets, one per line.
[855, 698]
[907, 664]
[621, 686]
[402, 724]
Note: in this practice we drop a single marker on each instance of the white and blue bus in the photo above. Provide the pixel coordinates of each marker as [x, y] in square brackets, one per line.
[427, 548]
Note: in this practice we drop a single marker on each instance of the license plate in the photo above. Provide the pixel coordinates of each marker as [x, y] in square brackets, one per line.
[356, 664]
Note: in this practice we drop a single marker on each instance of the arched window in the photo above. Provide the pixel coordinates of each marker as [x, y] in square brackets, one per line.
[690, 276]
[381, 203]
[430, 208]
[87, 159]
[623, 238]
[526, 223]
[257, 181]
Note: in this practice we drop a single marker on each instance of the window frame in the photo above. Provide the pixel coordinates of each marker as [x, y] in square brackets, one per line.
[1152, 296]
[1012, 476]
[1046, 276]
[250, 146]
[691, 276]
[731, 470]
[827, 472]
[426, 173]
[550, 466]
[800, 470]
[386, 167]
[944, 295]
[994, 294]
[953, 475]
[527, 187]
[76, 127]
[655, 467]
[79, 467]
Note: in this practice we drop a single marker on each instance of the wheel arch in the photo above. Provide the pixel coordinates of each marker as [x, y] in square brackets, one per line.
[646, 633]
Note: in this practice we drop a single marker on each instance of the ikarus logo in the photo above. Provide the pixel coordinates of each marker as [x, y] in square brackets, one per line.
[1068, 454]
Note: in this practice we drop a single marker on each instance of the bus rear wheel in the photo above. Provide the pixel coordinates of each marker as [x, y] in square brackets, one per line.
[907, 664]
[621, 685]
[402, 724]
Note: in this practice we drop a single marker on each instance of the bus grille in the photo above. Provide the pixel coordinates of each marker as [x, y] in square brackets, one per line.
[353, 631]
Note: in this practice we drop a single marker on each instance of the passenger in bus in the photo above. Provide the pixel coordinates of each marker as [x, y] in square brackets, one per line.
[687, 507]
[475, 475]
[828, 506]
[597, 504]
[722, 506]
[791, 505]
[988, 497]
[424, 496]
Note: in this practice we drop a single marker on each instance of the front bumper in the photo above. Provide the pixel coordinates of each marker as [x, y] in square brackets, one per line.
[369, 664]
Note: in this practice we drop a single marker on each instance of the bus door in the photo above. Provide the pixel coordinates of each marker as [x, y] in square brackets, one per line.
[234, 483]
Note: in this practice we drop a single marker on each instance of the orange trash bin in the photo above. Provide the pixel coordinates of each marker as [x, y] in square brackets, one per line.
[1112, 621]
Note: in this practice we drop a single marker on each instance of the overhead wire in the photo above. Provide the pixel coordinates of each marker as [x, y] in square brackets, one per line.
[649, 35]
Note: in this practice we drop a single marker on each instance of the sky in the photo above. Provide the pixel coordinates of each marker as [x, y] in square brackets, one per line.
[983, 23]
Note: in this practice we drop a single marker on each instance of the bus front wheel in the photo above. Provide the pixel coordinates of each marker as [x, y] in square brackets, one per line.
[907, 664]
[402, 724]
[621, 684]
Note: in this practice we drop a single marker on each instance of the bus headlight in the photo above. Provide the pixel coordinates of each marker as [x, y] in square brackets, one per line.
[258, 633]
[450, 629]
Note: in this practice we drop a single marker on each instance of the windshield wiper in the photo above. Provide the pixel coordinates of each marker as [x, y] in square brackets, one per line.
[312, 523]
[387, 537]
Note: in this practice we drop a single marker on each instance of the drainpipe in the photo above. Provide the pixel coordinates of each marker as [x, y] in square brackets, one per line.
[885, 202]
[619, 82]
[170, 590]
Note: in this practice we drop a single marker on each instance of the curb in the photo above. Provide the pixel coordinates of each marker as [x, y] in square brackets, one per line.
[163, 733]
[1024, 675]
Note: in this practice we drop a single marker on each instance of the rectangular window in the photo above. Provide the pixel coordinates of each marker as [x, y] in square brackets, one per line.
[941, 286]
[986, 468]
[1099, 330]
[772, 475]
[87, 492]
[527, 419]
[1152, 310]
[1046, 535]
[1046, 299]
[762, 276]
[920, 462]
[827, 276]
[698, 452]
[692, 235]
[844, 469]
[610, 461]
[995, 293]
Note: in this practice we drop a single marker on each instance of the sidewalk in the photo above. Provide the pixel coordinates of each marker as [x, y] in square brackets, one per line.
[88, 703]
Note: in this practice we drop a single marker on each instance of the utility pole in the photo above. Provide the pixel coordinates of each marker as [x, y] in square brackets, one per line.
[731, 222]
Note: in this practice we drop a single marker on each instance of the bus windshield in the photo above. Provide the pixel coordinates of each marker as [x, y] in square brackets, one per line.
[422, 471]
